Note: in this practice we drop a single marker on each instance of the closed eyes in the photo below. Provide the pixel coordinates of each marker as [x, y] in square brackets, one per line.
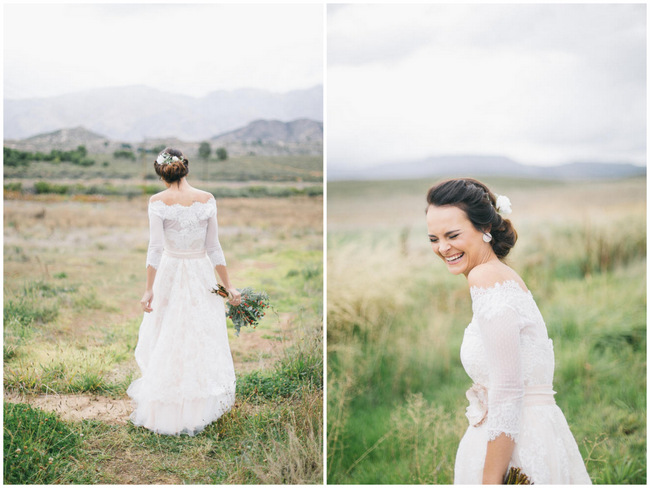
[435, 239]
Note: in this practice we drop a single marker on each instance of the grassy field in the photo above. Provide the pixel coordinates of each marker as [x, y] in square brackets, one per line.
[74, 273]
[396, 317]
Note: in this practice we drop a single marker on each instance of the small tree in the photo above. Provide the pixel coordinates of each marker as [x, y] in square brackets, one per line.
[221, 153]
[204, 150]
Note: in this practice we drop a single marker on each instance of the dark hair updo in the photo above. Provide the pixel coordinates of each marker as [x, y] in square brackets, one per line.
[174, 171]
[479, 203]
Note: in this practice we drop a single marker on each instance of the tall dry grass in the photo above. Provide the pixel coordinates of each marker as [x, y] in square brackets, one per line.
[396, 319]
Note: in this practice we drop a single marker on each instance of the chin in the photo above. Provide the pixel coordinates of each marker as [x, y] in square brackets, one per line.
[457, 271]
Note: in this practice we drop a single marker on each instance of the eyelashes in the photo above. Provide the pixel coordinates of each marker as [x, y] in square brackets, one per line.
[434, 239]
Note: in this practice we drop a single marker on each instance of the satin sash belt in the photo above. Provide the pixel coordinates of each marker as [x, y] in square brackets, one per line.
[537, 395]
[185, 254]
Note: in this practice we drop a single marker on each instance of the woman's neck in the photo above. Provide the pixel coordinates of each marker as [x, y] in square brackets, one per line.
[180, 186]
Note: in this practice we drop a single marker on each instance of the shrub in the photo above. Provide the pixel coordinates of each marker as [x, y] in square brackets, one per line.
[18, 186]
[124, 154]
[45, 187]
[13, 157]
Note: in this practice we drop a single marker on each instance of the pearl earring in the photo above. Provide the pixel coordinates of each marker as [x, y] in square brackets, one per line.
[487, 237]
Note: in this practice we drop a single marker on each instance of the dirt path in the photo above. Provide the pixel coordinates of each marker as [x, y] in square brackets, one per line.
[116, 411]
[78, 407]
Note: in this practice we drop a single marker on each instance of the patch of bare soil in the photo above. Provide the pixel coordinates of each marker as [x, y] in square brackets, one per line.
[78, 407]
[250, 351]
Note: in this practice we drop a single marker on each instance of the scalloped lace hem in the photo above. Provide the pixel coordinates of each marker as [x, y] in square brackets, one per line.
[477, 291]
[187, 416]
[210, 200]
[493, 434]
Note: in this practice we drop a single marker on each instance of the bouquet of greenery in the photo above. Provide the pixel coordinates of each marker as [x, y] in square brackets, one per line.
[516, 477]
[251, 309]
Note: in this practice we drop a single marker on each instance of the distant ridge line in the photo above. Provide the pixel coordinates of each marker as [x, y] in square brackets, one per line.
[484, 165]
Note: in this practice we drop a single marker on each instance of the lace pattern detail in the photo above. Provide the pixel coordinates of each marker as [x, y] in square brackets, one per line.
[504, 419]
[506, 348]
[506, 352]
[188, 379]
[184, 228]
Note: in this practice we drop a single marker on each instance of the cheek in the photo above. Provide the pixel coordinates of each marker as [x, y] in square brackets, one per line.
[435, 247]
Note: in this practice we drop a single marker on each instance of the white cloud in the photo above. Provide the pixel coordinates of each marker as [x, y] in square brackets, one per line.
[540, 83]
[191, 49]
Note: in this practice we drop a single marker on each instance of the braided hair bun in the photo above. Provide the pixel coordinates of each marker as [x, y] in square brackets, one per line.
[171, 165]
[480, 205]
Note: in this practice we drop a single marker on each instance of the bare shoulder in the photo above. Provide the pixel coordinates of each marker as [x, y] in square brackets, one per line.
[203, 196]
[488, 274]
[158, 196]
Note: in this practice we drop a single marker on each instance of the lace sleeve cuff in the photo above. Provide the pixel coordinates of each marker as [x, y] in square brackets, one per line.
[156, 239]
[153, 258]
[504, 419]
[212, 244]
[217, 258]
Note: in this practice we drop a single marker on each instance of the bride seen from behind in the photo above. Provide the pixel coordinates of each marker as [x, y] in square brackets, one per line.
[188, 378]
[514, 420]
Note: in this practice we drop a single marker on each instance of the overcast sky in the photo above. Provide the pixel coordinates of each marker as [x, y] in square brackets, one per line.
[190, 49]
[542, 84]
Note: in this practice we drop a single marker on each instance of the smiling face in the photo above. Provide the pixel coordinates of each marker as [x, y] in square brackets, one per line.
[455, 239]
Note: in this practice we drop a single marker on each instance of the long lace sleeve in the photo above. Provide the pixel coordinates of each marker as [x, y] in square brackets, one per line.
[500, 331]
[212, 244]
[156, 238]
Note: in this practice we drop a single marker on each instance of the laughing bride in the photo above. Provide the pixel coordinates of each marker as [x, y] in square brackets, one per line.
[514, 420]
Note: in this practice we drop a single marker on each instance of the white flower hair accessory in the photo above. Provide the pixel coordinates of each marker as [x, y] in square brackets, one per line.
[166, 158]
[503, 205]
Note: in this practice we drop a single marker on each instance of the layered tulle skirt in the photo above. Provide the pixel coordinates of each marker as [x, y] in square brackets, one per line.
[546, 450]
[188, 379]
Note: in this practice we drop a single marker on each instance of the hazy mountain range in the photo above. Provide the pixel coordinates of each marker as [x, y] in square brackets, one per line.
[260, 137]
[480, 166]
[135, 113]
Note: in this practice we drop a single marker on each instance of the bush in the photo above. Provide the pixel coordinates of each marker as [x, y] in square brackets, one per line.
[124, 154]
[45, 187]
[149, 189]
[13, 157]
[221, 153]
[18, 186]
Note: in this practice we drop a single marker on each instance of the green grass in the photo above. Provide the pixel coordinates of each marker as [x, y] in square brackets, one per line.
[37, 446]
[396, 320]
[269, 443]
[300, 371]
[73, 277]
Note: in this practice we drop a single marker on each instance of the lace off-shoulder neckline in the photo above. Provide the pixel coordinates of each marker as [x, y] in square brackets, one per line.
[477, 291]
[210, 200]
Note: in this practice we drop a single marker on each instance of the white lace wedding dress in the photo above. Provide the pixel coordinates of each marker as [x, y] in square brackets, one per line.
[508, 355]
[188, 379]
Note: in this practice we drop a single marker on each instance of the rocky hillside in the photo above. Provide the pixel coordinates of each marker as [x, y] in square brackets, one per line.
[135, 113]
[65, 140]
[273, 137]
[261, 137]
